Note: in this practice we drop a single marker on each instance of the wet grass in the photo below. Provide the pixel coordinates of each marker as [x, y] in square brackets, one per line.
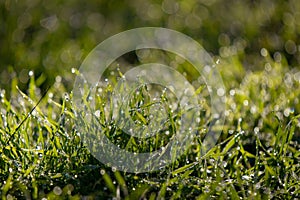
[256, 157]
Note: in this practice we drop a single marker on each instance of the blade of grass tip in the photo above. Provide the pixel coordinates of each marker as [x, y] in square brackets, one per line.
[280, 140]
[199, 90]
[121, 182]
[229, 145]
[141, 117]
[184, 168]
[109, 182]
[32, 86]
[27, 116]
[233, 193]
[7, 186]
[213, 149]
[290, 130]
[138, 193]
[152, 196]
[163, 190]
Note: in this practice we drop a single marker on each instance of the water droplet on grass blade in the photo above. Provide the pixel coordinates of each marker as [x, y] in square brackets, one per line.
[102, 171]
[114, 169]
[66, 96]
[286, 112]
[30, 73]
[245, 177]
[97, 113]
[264, 52]
[232, 92]
[2, 93]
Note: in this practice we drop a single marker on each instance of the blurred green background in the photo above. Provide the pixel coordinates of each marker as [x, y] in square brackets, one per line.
[51, 37]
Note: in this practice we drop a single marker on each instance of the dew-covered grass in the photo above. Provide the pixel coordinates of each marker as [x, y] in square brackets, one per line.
[256, 46]
[256, 157]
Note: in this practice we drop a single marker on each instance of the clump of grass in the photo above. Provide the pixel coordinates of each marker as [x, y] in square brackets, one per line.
[257, 155]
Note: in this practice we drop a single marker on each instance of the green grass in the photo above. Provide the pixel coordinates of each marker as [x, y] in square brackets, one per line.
[256, 157]
[258, 153]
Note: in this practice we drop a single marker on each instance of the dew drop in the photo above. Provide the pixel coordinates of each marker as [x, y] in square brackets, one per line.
[73, 70]
[264, 52]
[67, 97]
[286, 112]
[245, 177]
[268, 67]
[102, 171]
[30, 73]
[256, 130]
[2, 93]
[97, 113]
[50, 95]
[253, 109]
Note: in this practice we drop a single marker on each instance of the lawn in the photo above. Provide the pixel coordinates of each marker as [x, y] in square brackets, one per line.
[254, 46]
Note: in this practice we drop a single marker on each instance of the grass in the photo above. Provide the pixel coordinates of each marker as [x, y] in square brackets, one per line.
[256, 157]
